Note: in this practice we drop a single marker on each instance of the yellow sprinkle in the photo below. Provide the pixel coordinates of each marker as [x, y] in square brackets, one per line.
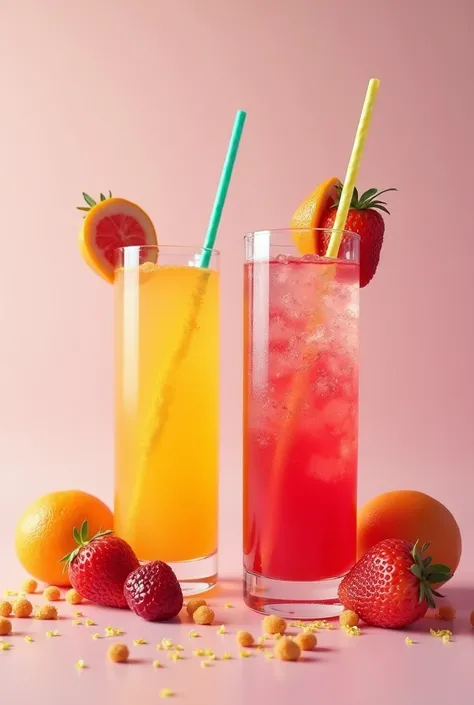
[11, 593]
[244, 654]
[445, 638]
[277, 636]
[205, 664]
[157, 664]
[108, 631]
[159, 647]
[193, 634]
[221, 629]
[139, 642]
[208, 652]
[212, 657]
[29, 638]
[268, 654]
[118, 631]
[166, 693]
[226, 656]
[199, 652]
[408, 640]
[352, 631]
[228, 606]
[52, 632]
[260, 647]
[175, 656]
[178, 647]
[76, 623]
[5, 646]
[260, 640]
[80, 664]
[78, 614]
[441, 632]
[91, 623]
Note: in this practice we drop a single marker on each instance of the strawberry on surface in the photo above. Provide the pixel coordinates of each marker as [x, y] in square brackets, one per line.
[99, 566]
[365, 220]
[392, 584]
[153, 592]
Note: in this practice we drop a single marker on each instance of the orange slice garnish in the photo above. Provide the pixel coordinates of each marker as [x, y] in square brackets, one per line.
[308, 214]
[111, 224]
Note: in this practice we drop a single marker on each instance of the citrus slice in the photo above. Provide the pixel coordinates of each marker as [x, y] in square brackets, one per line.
[110, 224]
[308, 214]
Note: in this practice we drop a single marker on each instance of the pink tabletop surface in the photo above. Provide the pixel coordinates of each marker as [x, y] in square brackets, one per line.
[374, 667]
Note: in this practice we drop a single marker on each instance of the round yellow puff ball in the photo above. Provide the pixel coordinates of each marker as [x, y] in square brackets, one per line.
[445, 612]
[203, 615]
[194, 604]
[306, 641]
[274, 625]
[52, 593]
[22, 608]
[287, 649]
[5, 626]
[73, 597]
[47, 612]
[118, 653]
[348, 618]
[5, 609]
[245, 639]
[30, 586]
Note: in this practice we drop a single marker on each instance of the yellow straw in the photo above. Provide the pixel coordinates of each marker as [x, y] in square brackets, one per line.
[353, 169]
[300, 380]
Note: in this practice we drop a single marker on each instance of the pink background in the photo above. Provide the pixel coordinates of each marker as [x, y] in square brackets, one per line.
[139, 97]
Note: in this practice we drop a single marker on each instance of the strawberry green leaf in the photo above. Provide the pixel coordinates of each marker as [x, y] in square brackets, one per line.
[102, 197]
[435, 592]
[437, 577]
[439, 568]
[415, 569]
[427, 561]
[425, 546]
[370, 193]
[84, 531]
[83, 208]
[77, 536]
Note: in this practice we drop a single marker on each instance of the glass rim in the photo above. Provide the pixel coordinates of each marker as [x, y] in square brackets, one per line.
[168, 248]
[279, 231]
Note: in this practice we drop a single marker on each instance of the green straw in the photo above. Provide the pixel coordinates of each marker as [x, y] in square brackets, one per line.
[222, 189]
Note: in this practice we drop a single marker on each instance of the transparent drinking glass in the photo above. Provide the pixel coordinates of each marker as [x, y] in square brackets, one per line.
[166, 420]
[301, 333]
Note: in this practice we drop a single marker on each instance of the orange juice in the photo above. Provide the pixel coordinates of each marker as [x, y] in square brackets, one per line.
[167, 365]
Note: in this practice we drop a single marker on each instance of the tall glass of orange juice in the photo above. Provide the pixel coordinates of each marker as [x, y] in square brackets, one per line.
[167, 378]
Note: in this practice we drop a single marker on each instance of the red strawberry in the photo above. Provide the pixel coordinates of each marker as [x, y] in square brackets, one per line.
[391, 586]
[365, 220]
[153, 592]
[99, 566]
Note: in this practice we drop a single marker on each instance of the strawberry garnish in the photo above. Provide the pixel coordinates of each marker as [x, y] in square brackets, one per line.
[393, 584]
[99, 566]
[365, 220]
[153, 592]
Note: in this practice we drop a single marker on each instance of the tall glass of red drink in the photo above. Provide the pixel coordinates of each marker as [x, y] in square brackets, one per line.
[301, 331]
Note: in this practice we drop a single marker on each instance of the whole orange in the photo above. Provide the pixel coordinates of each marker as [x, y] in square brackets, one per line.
[410, 515]
[43, 534]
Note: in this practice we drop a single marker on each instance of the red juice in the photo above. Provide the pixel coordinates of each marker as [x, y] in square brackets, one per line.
[300, 417]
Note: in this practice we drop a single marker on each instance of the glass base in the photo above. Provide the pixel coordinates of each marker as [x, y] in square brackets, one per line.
[292, 599]
[195, 576]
